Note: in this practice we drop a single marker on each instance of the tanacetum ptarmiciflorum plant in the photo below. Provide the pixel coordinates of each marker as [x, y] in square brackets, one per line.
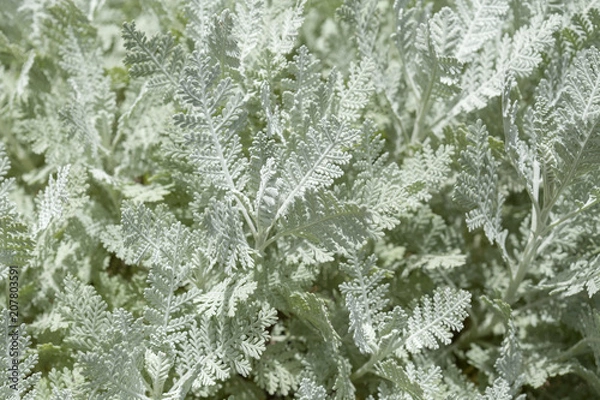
[259, 199]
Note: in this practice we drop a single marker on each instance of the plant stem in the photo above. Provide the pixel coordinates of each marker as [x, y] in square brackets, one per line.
[538, 225]
[366, 367]
[424, 109]
[528, 257]
[380, 354]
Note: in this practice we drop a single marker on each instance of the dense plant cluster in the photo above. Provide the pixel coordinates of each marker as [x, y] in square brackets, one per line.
[277, 199]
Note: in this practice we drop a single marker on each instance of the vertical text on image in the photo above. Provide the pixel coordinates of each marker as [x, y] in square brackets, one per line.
[13, 327]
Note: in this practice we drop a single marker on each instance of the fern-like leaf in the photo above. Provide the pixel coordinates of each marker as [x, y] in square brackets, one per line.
[300, 94]
[143, 231]
[107, 341]
[365, 300]
[446, 32]
[15, 241]
[510, 363]
[226, 240]
[169, 246]
[582, 275]
[85, 311]
[390, 370]
[16, 359]
[117, 349]
[355, 96]
[212, 122]
[482, 21]
[500, 390]
[322, 223]
[484, 199]
[579, 143]
[529, 42]
[224, 297]
[223, 45]
[52, 203]
[90, 112]
[158, 364]
[435, 319]
[158, 58]
[317, 160]
[520, 55]
[309, 390]
[362, 16]
[284, 29]
[312, 310]
[222, 346]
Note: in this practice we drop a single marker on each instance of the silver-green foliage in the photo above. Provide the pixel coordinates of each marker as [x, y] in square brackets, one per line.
[286, 198]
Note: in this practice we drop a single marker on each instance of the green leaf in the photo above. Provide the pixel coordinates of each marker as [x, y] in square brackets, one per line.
[477, 187]
[391, 371]
[434, 319]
